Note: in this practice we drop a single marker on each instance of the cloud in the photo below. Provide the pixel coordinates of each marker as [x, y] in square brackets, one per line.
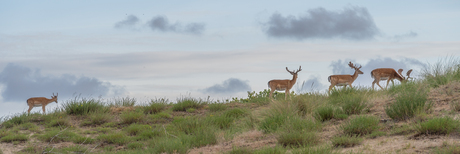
[21, 83]
[229, 86]
[161, 23]
[354, 23]
[313, 84]
[129, 22]
[411, 34]
[341, 67]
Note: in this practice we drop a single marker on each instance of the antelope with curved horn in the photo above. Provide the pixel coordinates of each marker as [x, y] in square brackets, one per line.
[281, 85]
[344, 80]
[388, 74]
[41, 101]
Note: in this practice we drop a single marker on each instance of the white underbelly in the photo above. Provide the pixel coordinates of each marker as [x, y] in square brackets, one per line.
[37, 105]
[342, 84]
[384, 78]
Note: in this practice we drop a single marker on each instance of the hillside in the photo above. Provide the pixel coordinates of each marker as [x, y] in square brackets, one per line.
[419, 116]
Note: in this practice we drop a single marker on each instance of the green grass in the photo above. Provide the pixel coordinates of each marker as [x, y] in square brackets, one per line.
[351, 100]
[114, 138]
[97, 118]
[438, 126]
[135, 145]
[14, 137]
[129, 117]
[123, 101]
[83, 106]
[156, 106]
[442, 72]
[16, 119]
[324, 113]
[411, 97]
[297, 139]
[135, 129]
[170, 145]
[346, 141]
[215, 107]
[360, 125]
[56, 136]
[185, 103]
[272, 123]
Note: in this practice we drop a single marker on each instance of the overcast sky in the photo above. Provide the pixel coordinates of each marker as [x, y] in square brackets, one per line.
[221, 49]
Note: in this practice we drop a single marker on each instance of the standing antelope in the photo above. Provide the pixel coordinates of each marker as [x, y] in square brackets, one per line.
[281, 85]
[388, 74]
[344, 80]
[41, 101]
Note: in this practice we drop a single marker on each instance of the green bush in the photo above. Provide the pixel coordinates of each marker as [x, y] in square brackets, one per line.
[240, 150]
[346, 141]
[442, 72]
[124, 101]
[272, 123]
[214, 107]
[271, 150]
[171, 145]
[438, 126]
[314, 150]
[129, 117]
[324, 113]
[306, 103]
[135, 129]
[14, 120]
[202, 137]
[135, 145]
[156, 106]
[189, 125]
[297, 139]
[352, 100]
[410, 99]
[14, 137]
[84, 106]
[185, 103]
[360, 125]
[56, 136]
[97, 118]
[82, 140]
[114, 138]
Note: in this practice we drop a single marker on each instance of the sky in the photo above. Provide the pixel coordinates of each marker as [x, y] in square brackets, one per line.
[112, 49]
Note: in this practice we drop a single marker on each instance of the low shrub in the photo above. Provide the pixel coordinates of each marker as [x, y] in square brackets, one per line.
[185, 103]
[410, 99]
[360, 125]
[155, 106]
[346, 141]
[135, 145]
[214, 107]
[14, 137]
[324, 113]
[272, 123]
[297, 139]
[114, 138]
[438, 126]
[129, 117]
[84, 106]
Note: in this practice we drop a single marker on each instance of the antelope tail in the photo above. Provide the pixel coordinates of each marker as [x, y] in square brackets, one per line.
[372, 74]
[329, 78]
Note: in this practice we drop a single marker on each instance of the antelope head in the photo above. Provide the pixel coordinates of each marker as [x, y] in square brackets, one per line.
[356, 68]
[54, 97]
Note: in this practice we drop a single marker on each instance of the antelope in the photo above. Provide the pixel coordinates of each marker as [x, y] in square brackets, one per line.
[280, 85]
[41, 101]
[388, 74]
[344, 80]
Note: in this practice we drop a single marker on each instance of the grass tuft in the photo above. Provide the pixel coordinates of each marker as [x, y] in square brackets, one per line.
[360, 125]
[185, 103]
[438, 126]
